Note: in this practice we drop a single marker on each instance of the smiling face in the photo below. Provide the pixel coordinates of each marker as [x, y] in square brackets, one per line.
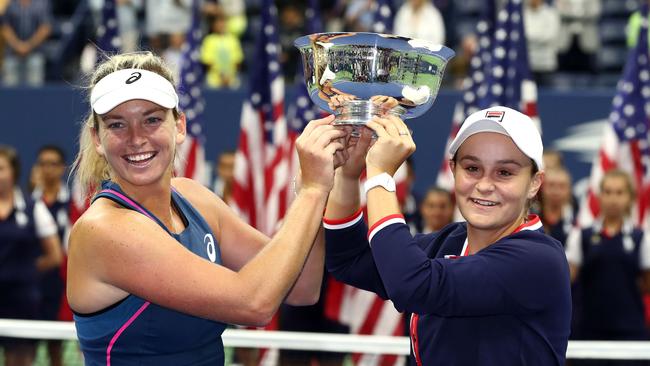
[493, 182]
[138, 138]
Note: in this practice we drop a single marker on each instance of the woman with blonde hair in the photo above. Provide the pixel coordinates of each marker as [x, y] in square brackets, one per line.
[158, 265]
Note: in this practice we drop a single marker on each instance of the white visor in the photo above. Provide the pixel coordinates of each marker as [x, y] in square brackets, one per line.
[128, 84]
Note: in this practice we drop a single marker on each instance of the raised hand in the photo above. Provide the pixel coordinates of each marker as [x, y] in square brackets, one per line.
[318, 149]
[393, 145]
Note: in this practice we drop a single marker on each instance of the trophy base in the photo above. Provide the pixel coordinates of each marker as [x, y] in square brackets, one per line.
[358, 112]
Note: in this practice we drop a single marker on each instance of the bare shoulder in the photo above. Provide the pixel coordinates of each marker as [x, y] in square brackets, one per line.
[99, 242]
[96, 228]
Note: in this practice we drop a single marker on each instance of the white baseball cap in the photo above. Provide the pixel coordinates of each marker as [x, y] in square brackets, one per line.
[506, 121]
[128, 84]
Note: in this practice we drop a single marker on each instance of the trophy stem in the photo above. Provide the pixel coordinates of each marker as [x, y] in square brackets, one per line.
[358, 112]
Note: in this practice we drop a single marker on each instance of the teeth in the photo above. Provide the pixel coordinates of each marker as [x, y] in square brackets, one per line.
[139, 157]
[484, 203]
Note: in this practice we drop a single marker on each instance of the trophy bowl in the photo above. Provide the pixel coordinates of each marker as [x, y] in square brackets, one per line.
[358, 75]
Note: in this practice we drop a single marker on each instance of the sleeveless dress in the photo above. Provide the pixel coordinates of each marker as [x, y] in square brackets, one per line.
[134, 331]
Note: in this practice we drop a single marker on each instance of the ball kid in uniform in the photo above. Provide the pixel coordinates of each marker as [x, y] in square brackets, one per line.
[29, 247]
[611, 261]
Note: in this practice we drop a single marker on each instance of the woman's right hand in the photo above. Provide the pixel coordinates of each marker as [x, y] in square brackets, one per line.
[317, 146]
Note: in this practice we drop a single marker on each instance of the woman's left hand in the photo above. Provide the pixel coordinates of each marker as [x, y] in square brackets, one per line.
[393, 145]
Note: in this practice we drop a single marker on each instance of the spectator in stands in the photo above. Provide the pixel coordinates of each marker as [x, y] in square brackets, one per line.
[224, 169]
[578, 40]
[436, 209]
[459, 65]
[542, 27]
[420, 19]
[333, 15]
[633, 28]
[292, 25]
[611, 259]
[234, 10]
[359, 15]
[127, 21]
[167, 22]
[29, 246]
[221, 52]
[26, 25]
[51, 189]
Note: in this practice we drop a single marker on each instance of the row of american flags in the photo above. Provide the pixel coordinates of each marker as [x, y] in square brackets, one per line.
[499, 75]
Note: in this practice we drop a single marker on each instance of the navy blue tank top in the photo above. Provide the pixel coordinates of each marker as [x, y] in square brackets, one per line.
[137, 332]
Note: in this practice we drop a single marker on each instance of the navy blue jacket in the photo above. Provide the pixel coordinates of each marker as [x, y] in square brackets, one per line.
[508, 304]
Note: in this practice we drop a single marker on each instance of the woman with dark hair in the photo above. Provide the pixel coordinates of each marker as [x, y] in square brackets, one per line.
[29, 246]
[490, 291]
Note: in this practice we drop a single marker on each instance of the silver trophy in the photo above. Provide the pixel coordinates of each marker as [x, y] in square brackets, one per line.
[360, 75]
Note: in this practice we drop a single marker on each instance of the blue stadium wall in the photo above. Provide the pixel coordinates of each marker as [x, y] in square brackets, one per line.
[52, 114]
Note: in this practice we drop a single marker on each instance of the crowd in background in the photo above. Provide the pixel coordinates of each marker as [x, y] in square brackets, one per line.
[610, 260]
[52, 41]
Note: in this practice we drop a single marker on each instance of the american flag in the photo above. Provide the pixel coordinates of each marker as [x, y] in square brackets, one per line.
[261, 185]
[382, 16]
[303, 110]
[108, 39]
[499, 73]
[262, 173]
[191, 154]
[626, 144]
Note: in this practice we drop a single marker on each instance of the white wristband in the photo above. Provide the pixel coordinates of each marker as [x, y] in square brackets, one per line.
[384, 180]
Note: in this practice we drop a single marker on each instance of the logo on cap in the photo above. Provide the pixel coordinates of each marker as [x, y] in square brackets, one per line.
[495, 115]
[134, 77]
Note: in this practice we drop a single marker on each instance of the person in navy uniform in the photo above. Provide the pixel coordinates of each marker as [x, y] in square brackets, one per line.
[492, 291]
[29, 247]
[157, 265]
[611, 260]
[557, 206]
[52, 190]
